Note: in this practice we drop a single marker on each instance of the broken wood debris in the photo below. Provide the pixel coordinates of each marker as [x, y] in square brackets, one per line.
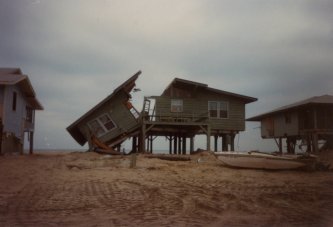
[169, 157]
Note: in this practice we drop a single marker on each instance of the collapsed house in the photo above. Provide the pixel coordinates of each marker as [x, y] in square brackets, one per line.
[309, 121]
[18, 104]
[185, 109]
[110, 122]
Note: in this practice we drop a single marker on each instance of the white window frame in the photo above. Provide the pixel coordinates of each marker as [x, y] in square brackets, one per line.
[177, 106]
[218, 109]
[102, 125]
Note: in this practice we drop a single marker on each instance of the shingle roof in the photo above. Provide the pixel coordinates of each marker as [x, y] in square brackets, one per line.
[324, 99]
[247, 99]
[14, 76]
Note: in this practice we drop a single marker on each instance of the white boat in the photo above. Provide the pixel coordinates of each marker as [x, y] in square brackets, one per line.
[260, 160]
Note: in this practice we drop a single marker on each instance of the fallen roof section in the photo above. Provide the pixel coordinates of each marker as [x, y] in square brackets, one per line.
[324, 99]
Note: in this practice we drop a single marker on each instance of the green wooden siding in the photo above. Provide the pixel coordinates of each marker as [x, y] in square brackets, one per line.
[199, 105]
[119, 113]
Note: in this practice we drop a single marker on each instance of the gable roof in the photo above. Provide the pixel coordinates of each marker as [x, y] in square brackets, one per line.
[14, 76]
[324, 99]
[73, 129]
[178, 81]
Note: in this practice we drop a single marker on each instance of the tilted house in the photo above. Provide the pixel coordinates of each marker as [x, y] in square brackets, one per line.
[111, 121]
[18, 103]
[187, 108]
[308, 121]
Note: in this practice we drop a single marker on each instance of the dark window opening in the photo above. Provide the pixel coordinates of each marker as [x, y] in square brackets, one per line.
[14, 101]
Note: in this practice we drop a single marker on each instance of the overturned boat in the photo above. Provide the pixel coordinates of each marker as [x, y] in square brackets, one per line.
[261, 160]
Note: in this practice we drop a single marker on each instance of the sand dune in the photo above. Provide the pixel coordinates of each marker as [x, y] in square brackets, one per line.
[87, 189]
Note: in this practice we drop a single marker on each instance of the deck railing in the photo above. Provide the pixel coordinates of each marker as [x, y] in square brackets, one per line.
[176, 117]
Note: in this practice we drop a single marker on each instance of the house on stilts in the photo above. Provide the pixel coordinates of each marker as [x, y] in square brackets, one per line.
[18, 103]
[185, 109]
[307, 123]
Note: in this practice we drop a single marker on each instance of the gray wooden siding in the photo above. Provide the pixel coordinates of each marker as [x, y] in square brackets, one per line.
[14, 120]
[279, 127]
[119, 113]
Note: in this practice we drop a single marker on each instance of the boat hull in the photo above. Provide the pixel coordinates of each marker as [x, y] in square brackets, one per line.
[259, 161]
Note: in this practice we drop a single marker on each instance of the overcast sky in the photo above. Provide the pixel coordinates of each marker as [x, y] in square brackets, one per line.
[77, 52]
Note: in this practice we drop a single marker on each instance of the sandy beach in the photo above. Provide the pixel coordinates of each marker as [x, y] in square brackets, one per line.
[89, 189]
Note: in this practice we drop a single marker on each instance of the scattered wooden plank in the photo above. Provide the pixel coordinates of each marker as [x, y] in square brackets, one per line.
[169, 157]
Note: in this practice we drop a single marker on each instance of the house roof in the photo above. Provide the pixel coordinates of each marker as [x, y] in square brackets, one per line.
[178, 81]
[73, 129]
[324, 99]
[14, 76]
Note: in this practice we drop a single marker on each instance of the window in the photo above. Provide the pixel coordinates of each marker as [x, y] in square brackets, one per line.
[223, 109]
[176, 105]
[218, 109]
[212, 108]
[14, 101]
[133, 111]
[101, 125]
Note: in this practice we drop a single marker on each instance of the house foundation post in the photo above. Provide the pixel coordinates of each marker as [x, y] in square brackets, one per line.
[280, 145]
[31, 146]
[179, 144]
[170, 144]
[216, 137]
[208, 137]
[232, 141]
[134, 144]
[315, 143]
[151, 143]
[225, 142]
[191, 144]
[142, 139]
[175, 144]
[184, 145]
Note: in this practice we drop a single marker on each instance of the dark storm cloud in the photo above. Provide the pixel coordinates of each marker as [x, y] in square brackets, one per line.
[77, 52]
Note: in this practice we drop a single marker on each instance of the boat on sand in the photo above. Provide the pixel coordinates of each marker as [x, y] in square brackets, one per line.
[261, 160]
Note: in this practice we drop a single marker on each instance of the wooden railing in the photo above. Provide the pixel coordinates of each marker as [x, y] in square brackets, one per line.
[176, 117]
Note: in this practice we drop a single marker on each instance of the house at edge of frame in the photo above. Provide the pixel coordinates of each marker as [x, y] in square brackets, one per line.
[18, 103]
[186, 109]
[309, 121]
[111, 121]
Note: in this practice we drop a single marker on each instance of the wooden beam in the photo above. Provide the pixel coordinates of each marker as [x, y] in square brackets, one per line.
[315, 148]
[191, 143]
[208, 137]
[134, 144]
[232, 142]
[216, 137]
[175, 144]
[170, 144]
[142, 138]
[184, 145]
[179, 144]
